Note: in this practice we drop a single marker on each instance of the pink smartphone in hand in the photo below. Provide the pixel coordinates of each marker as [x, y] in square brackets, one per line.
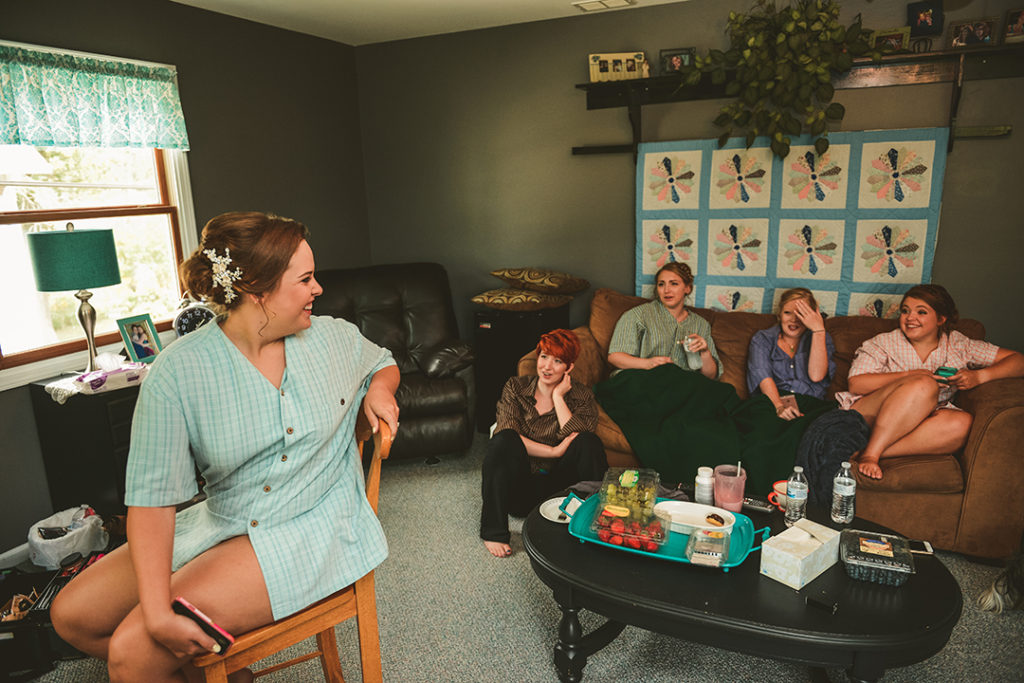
[222, 638]
[789, 401]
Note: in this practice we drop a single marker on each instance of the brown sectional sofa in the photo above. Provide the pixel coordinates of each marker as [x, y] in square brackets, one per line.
[971, 501]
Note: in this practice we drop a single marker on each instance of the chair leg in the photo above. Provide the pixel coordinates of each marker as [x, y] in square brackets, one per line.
[216, 673]
[369, 634]
[330, 660]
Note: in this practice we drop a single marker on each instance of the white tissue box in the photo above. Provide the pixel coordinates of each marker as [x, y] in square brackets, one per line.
[800, 553]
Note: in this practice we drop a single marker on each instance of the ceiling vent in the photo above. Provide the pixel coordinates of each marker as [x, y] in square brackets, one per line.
[597, 5]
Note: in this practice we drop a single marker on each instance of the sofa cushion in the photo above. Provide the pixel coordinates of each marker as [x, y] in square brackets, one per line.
[610, 434]
[541, 280]
[732, 333]
[445, 359]
[406, 308]
[419, 396]
[606, 308]
[508, 299]
[924, 473]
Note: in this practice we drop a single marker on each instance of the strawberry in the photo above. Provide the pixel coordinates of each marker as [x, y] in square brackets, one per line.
[604, 535]
[616, 540]
[633, 542]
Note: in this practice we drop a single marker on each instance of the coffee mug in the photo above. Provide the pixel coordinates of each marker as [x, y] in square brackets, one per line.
[778, 495]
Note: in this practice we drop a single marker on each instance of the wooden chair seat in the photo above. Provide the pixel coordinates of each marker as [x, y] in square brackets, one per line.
[319, 619]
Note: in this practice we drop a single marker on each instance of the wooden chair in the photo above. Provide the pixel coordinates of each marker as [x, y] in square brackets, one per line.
[319, 619]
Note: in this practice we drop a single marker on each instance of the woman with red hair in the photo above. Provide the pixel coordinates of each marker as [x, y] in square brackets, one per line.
[543, 440]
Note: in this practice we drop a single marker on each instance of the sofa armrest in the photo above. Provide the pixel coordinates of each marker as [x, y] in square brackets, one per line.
[992, 514]
[590, 368]
[446, 359]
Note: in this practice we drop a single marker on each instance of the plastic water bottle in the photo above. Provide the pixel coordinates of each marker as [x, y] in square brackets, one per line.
[704, 486]
[796, 496]
[844, 491]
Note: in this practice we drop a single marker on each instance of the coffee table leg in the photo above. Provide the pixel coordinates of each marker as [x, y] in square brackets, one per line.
[569, 657]
[573, 648]
[865, 669]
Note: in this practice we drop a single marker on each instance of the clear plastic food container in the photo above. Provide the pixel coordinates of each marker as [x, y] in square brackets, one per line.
[626, 514]
[881, 558]
[646, 532]
[635, 490]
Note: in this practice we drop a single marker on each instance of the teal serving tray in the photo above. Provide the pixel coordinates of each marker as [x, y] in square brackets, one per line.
[741, 542]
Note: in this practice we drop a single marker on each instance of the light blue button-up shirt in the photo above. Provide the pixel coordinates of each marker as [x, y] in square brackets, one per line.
[280, 465]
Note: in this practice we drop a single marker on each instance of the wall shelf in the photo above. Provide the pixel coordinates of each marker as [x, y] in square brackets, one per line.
[945, 66]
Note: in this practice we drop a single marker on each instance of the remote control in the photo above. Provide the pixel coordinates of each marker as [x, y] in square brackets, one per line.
[757, 505]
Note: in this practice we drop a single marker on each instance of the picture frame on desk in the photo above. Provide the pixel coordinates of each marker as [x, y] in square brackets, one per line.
[141, 341]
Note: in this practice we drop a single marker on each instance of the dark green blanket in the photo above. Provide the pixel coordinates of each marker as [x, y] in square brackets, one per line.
[677, 420]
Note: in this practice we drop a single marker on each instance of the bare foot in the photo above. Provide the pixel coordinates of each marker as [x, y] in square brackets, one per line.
[498, 549]
[869, 468]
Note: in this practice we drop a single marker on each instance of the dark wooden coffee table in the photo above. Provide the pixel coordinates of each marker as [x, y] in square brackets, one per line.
[874, 628]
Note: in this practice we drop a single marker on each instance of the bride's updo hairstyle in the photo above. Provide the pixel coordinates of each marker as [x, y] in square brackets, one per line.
[259, 245]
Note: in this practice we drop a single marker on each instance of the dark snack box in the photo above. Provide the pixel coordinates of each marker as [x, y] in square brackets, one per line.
[881, 558]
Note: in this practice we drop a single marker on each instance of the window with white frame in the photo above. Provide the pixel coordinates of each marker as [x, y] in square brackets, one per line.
[131, 184]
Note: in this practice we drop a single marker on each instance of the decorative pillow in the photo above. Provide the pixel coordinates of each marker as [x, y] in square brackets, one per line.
[508, 299]
[541, 280]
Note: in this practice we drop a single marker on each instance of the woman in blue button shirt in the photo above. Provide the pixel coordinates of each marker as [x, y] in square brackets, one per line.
[794, 356]
[263, 402]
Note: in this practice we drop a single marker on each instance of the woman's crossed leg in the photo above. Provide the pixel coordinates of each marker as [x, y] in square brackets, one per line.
[99, 613]
[904, 421]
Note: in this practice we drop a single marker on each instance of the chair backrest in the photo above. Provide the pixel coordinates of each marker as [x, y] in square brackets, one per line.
[406, 308]
[382, 441]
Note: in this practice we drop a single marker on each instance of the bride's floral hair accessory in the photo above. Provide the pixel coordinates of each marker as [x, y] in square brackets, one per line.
[221, 275]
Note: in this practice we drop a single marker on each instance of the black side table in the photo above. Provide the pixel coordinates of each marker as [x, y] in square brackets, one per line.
[85, 443]
[501, 339]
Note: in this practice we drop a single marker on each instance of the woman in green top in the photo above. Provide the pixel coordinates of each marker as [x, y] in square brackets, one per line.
[654, 333]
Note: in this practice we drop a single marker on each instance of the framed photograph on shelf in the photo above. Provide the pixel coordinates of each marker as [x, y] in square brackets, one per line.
[618, 66]
[1014, 30]
[891, 40]
[675, 59]
[140, 338]
[974, 32]
[925, 18]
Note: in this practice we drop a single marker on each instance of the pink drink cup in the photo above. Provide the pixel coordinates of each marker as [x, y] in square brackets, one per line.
[729, 487]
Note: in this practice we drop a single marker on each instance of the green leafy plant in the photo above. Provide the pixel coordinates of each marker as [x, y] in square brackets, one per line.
[779, 68]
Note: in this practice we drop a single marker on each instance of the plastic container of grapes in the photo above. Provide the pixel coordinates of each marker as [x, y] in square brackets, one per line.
[634, 489]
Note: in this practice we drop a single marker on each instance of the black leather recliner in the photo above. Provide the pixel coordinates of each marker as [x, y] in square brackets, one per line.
[407, 308]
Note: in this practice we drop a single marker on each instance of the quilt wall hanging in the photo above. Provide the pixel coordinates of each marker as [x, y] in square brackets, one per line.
[856, 225]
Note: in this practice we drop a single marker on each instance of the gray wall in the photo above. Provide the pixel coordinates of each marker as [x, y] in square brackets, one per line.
[467, 143]
[273, 125]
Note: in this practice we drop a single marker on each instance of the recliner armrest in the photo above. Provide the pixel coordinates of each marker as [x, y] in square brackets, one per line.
[446, 359]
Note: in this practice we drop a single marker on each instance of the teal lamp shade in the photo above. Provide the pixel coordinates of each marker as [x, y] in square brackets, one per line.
[73, 259]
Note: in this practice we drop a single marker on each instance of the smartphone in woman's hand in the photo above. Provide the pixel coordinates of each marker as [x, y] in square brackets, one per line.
[222, 638]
